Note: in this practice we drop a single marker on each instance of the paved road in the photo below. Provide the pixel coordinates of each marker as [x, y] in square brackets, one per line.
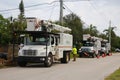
[82, 69]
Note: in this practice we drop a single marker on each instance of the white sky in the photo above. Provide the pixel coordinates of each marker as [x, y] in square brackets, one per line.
[96, 12]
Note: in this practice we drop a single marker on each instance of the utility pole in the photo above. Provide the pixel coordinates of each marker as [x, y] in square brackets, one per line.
[110, 33]
[61, 12]
[13, 42]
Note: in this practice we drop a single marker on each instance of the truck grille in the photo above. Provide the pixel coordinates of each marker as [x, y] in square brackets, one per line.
[29, 52]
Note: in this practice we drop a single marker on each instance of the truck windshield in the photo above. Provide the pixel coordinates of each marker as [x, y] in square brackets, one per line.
[86, 49]
[88, 44]
[103, 44]
[37, 40]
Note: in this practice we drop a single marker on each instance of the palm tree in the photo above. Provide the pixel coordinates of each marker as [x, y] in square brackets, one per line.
[112, 31]
[92, 30]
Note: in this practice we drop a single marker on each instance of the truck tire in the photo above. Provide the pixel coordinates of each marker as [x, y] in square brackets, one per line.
[66, 57]
[22, 64]
[49, 61]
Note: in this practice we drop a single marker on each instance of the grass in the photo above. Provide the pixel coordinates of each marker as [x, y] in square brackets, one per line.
[114, 76]
[8, 64]
[3, 66]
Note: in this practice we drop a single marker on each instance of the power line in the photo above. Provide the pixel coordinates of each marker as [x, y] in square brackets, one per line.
[9, 10]
[41, 4]
[104, 16]
[29, 6]
[13, 9]
[100, 13]
[31, 9]
[68, 8]
[52, 11]
[74, 0]
[84, 24]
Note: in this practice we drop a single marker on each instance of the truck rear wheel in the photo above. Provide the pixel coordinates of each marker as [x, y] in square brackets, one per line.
[66, 57]
[49, 61]
[22, 64]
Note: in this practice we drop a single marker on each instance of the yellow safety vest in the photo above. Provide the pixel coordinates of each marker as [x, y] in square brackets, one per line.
[74, 51]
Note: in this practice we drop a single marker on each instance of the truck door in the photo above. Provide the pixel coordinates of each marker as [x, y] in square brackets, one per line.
[57, 55]
[53, 45]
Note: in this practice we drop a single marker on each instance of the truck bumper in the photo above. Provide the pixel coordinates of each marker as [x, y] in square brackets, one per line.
[31, 59]
[87, 54]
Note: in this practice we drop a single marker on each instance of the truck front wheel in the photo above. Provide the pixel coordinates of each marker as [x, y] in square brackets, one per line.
[49, 61]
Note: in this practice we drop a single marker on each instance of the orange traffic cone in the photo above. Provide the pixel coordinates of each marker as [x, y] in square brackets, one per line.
[98, 56]
[110, 54]
[103, 55]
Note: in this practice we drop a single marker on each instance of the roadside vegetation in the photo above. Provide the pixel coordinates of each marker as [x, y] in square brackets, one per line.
[114, 76]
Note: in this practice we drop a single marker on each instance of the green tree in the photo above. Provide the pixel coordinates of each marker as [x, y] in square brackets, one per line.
[103, 36]
[116, 42]
[20, 23]
[92, 30]
[114, 39]
[21, 8]
[75, 23]
[5, 31]
[112, 32]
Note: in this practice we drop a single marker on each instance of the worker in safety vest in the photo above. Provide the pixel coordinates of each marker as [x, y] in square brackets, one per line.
[74, 52]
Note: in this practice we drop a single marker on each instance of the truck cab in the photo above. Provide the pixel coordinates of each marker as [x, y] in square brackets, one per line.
[40, 45]
[43, 47]
[88, 49]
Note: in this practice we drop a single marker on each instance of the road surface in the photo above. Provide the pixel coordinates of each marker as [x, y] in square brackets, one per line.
[82, 69]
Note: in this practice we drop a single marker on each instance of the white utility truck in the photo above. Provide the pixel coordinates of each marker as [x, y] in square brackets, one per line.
[43, 46]
[105, 47]
[91, 46]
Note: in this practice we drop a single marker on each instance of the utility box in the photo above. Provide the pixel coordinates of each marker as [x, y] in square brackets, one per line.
[32, 22]
[86, 36]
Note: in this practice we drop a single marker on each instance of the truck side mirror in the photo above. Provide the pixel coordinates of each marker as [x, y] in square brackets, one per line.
[56, 41]
[52, 40]
[21, 46]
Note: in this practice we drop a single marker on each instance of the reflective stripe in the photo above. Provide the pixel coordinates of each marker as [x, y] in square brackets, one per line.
[65, 47]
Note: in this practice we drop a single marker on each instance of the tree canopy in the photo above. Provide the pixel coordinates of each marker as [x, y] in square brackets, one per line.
[92, 30]
[5, 31]
[20, 23]
[7, 26]
[74, 22]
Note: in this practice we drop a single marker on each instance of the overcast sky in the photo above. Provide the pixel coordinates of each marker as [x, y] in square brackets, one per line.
[96, 12]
